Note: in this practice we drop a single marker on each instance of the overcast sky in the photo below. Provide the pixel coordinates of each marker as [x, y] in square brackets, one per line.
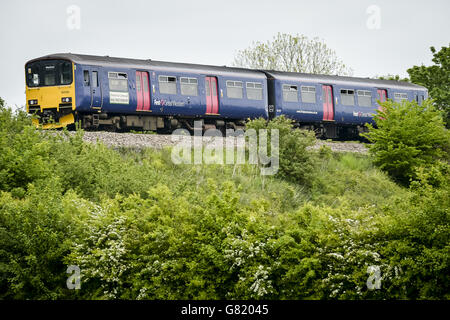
[211, 32]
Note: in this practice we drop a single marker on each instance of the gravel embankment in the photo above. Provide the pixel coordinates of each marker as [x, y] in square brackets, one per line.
[139, 141]
[339, 146]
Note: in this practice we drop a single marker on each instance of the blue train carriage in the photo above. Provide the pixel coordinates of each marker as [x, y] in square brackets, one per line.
[122, 93]
[334, 106]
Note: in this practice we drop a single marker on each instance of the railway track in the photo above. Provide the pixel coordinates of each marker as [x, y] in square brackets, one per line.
[159, 141]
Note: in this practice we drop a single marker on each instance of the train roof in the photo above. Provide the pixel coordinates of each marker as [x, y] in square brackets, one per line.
[228, 71]
[341, 80]
[153, 64]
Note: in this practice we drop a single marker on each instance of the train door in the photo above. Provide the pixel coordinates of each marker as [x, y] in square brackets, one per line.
[212, 100]
[142, 91]
[382, 96]
[96, 90]
[328, 103]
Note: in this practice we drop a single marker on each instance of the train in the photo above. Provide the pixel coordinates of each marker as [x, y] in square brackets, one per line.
[111, 93]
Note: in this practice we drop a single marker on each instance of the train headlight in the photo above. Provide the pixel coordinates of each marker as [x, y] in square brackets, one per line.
[66, 100]
[32, 102]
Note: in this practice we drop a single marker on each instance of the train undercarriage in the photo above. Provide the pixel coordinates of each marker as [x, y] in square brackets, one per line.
[122, 123]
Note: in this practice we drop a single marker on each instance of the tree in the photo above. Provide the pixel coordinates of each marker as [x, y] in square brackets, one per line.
[392, 77]
[407, 137]
[292, 53]
[436, 78]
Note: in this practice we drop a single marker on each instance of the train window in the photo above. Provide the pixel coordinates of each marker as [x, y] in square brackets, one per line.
[348, 97]
[167, 84]
[117, 81]
[364, 98]
[290, 93]
[234, 89]
[207, 88]
[254, 91]
[66, 73]
[145, 83]
[189, 86]
[95, 79]
[86, 78]
[398, 97]
[308, 94]
[50, 75]
[33, 72]
[214, 88]
[35, 79]
[138, 82]
[420, 99]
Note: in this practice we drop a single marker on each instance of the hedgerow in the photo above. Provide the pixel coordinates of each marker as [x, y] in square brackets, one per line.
[140, 227]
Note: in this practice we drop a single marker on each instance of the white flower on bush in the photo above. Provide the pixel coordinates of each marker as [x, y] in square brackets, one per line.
[261, 286]
[101, 255]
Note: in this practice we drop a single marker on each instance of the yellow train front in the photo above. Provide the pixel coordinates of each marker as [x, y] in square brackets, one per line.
[50, 92]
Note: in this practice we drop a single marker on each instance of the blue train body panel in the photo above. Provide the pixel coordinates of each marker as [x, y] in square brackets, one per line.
[163, 104]
[343, 114]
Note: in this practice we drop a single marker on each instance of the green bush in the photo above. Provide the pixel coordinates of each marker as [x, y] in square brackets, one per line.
[33, 234]
[296, 163]
[414, 237]
[408, 136]
[23, 153]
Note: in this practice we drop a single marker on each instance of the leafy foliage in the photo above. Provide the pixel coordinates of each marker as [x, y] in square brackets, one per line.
[296, 163]
[295, 53]
[437, 79]
[395, 77]
[140, 227]
[408, 136]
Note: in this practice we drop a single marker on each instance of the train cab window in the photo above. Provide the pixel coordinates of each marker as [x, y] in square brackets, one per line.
[348, 97]
[86, 81]
[118, 81]
[398, 97]
[364, 98]
[234, 89]
[254, 91]
[167, 84]
[33, 79]
[308, 94]
[66, 73]
[189, 86]
[50, 75]
[290, 93]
